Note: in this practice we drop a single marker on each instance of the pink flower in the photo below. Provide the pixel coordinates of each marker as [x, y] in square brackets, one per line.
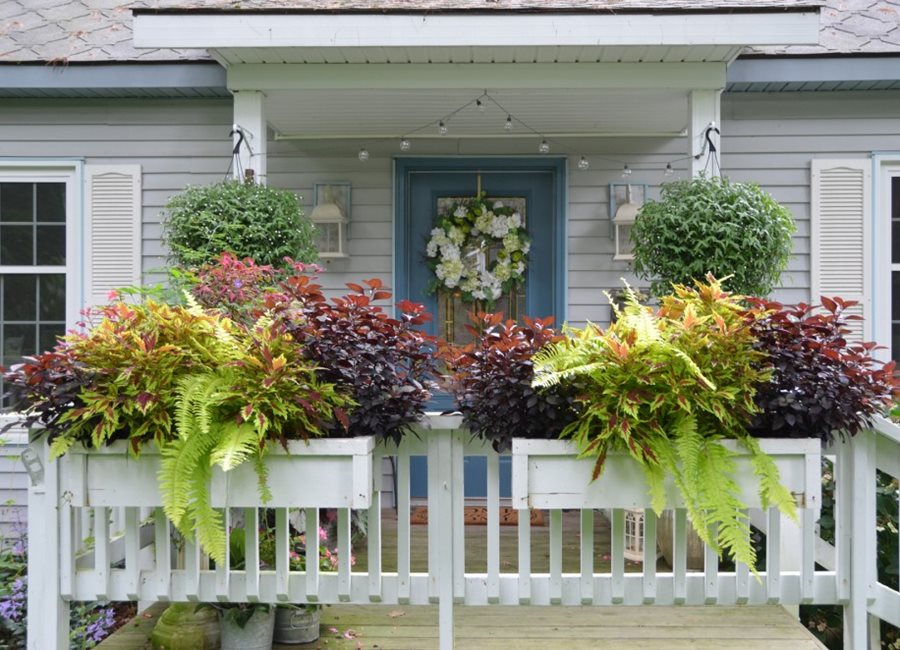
[112, 295]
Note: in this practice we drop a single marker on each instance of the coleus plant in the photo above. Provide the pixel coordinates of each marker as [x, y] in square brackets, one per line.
[666, 387]
[822, 385]
[491, 381]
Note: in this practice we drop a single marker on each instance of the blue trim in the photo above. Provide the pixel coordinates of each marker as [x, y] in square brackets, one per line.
[557, 166]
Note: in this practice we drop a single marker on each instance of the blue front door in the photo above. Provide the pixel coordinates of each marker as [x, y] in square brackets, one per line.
[537, 184]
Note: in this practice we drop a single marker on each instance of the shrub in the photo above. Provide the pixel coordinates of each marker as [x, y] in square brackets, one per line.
[821, 384]
[491, 382]
[385, 364]
[665, 388]
[247, 219]
[710, 225]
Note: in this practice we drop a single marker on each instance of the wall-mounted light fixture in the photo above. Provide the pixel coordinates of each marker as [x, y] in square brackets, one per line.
[331, 216]
[625, 201]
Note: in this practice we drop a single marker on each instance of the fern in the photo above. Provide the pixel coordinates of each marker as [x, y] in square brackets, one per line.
[237, 443]
[771, 491]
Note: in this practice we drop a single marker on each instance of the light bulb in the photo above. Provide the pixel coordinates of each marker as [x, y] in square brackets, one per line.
[480, 105]
[508, 126]
[404, 144]
[583, 163]
[626, 171]
[363, 154]
[442, 128]
[669, 171]
[544, 147]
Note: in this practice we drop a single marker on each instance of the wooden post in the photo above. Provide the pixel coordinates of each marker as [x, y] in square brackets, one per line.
[250, 119]
[48, 613]
[703, 110]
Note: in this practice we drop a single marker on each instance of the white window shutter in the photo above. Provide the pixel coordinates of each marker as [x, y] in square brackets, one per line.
[841, 245]
[112, 230]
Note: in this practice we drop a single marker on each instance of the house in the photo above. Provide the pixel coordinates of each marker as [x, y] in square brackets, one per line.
[110, 107]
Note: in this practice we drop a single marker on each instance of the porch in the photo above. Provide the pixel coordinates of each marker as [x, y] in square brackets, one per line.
[111, 544]
[402, 627]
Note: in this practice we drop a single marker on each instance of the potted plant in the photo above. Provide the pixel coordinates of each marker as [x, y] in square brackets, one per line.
[659, 394]
[216, 404]
[250, 219]
[734, 231]
[245, 626]
[293, 624]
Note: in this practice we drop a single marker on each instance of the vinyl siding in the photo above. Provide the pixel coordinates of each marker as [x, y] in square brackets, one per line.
[772, 138]
[13, 485]
[767, 138]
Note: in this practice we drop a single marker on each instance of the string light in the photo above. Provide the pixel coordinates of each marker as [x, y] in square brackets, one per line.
[363, 155]
[480, 102]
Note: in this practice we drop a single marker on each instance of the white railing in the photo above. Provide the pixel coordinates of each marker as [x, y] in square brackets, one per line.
[130, 559]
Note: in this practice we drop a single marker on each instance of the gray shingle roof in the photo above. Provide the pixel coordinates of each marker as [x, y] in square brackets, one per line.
[100, 30]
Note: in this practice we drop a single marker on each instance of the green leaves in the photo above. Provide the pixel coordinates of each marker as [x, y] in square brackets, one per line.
[710, 225]
[664, 387]
[247, 219]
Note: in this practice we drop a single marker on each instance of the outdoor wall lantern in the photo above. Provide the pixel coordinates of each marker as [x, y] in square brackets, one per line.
[331, 215]
[625, 201]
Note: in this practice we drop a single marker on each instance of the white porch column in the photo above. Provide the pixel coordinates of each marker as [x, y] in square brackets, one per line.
[250, 117]
[703, 110]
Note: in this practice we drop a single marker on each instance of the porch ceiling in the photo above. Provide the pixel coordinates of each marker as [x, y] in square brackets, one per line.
[372, 114]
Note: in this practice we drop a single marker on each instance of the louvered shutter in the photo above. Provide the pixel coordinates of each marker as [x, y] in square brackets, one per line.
[112, 229]
[841, 236]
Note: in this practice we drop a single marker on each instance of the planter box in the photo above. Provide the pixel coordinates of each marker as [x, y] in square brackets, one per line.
[323, 473]
[548, 474]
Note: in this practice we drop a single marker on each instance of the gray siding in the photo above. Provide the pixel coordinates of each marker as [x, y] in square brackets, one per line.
[772, 138]
[13, 486]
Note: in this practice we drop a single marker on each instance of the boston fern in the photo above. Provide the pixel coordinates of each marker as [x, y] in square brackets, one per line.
[666, 388]
[226, 415]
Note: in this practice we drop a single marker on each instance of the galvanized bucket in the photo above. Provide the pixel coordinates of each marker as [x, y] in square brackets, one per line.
[295, 625]
[255, 635]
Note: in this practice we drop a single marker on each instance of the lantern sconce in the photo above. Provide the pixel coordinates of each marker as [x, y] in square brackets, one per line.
[330, 216]
[625, 201]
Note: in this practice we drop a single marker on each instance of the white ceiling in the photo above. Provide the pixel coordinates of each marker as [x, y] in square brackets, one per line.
[391, 113]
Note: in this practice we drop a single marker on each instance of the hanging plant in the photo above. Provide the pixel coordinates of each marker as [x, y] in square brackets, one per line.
[478, 248]
[734, 231]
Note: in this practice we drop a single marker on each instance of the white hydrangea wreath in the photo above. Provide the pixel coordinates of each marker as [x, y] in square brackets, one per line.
[478, 248]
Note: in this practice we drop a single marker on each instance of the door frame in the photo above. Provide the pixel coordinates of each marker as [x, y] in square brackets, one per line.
[556, 166]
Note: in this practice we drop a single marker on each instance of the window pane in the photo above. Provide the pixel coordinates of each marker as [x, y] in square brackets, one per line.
[53, 297]
[16, 245]
[51, 245]
[48, 336]
[895, 296]
[18, 340]
[895, 342]
[51, 202]
[16, 201]
[19, 298]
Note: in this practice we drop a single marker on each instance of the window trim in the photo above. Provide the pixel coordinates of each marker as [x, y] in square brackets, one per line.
[885, 167]
[71, 173]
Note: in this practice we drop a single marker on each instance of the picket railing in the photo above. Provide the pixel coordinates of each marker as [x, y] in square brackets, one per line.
[132, 552]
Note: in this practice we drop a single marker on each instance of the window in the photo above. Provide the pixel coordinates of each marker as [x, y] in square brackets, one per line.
[36, 235]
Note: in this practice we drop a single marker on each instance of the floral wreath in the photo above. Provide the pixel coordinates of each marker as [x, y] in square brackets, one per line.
[478, 248]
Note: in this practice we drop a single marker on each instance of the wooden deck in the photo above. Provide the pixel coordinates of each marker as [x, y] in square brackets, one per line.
[398, 627]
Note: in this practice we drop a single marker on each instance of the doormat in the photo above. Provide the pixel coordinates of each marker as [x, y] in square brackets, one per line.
[477, 515]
